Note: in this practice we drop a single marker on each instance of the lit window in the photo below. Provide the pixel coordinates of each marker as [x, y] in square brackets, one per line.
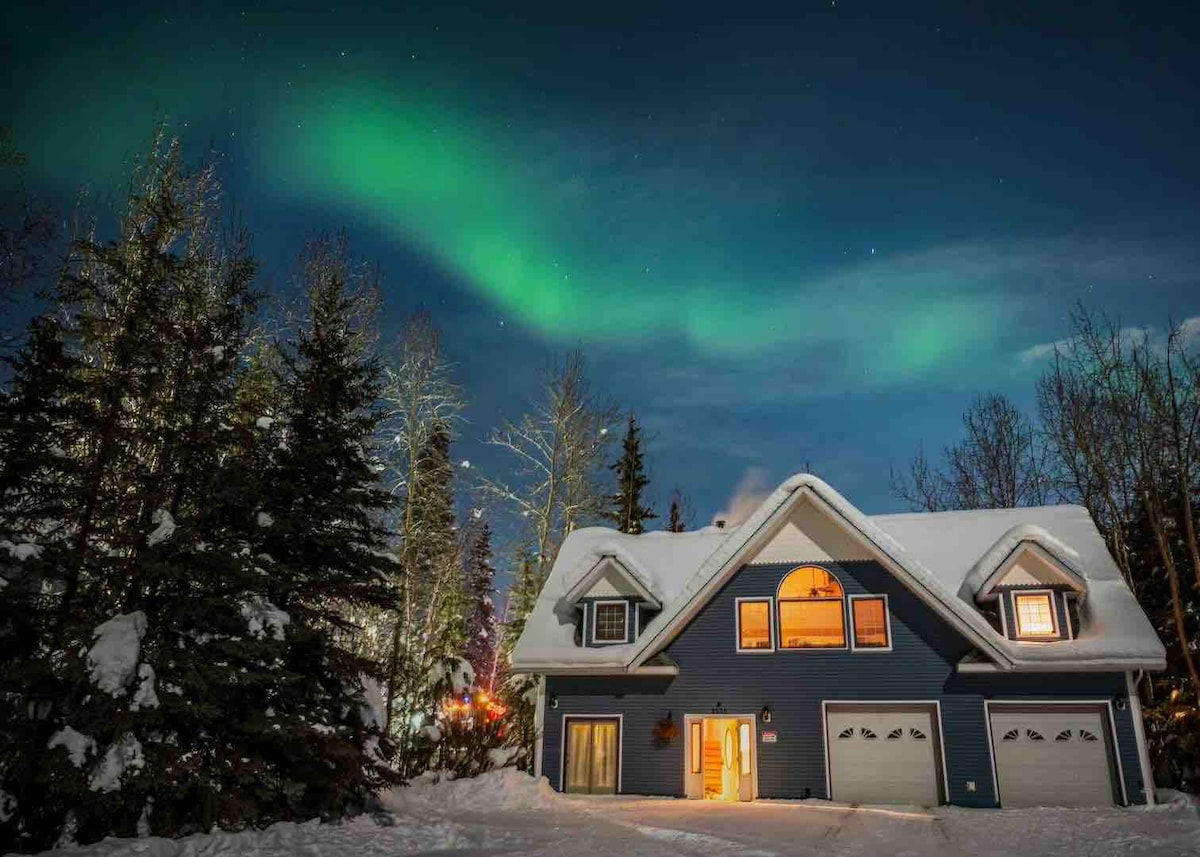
[610, 622]
[1035, 616]
[754, 625]
[696, 746]
[811, 614]
[870, 623]
[744, 748]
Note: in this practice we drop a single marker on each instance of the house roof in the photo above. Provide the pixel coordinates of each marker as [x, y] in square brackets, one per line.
[940, 556]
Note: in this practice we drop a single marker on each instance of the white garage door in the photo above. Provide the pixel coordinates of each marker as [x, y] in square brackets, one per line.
[878, 755]
[1051, 758]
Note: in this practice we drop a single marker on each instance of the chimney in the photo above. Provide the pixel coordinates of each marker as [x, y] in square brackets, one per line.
[720, 525]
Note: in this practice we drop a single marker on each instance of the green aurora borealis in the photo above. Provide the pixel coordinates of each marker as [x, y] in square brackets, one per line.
[824, 218]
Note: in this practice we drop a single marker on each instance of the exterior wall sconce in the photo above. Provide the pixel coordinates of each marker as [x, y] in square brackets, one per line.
[765, 715]
[554, 700]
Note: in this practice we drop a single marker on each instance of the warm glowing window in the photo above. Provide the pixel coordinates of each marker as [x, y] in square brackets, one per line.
[610, 622]
[1035, 615]
[744, 748]
[811, 614]
[696, 746]
[870, 623]
[754, 625]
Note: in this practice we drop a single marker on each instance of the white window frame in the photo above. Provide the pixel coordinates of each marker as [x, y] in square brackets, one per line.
[1014, 594]
[845, 647]
[737, 624]
[595, 622]
[887, 621]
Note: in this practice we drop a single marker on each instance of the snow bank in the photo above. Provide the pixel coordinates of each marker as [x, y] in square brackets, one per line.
[114, 656]
[359, 837]
[164, 530]
[124, 755]
[262, 616]
[505, 790]
[77, 744]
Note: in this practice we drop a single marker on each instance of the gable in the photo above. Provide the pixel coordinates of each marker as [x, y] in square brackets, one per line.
[610, 582]
[808, 534]
[1030, 566]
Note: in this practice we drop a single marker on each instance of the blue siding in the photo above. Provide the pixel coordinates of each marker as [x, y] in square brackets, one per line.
[793, 684]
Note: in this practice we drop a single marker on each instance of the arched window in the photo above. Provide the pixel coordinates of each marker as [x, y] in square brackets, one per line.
[811, 610]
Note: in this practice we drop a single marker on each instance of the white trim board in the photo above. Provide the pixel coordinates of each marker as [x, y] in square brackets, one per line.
[1106, 704]
[605, 602]
[1057, 636]
[737, 624]
[688, 719]
[887, 621]
[585, 583]
[1139, 735]
[562, 747]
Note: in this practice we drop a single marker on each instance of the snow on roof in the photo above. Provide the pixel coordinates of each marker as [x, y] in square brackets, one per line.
[943, 553]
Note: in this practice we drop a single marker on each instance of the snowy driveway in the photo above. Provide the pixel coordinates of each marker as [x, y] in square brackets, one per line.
[507, 813]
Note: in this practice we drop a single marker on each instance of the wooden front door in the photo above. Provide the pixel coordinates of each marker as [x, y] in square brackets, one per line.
[592, 757]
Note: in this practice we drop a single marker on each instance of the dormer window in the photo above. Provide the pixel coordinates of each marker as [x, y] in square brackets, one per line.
[1035, 615]
[611, 622]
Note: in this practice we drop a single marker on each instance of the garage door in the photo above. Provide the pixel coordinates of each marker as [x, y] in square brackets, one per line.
[1052, 757]
[882, 754]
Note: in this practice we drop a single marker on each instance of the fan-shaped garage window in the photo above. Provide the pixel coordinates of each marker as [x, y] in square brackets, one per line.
[1064, 735]
[1034, 735]
[848, 732]
[1085, 735]
[811, 610]
[895, 735]
[1011, 735]
[868, 734]
[917, 735]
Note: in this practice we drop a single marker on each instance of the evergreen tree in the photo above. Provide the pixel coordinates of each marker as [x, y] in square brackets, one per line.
[677, 518]
[480, 579]
[627, 510]
[323, 548]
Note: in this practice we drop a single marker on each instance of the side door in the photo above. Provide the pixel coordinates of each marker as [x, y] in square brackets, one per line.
[592, 755]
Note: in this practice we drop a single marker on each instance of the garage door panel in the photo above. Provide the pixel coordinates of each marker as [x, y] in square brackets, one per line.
[1052, 758]
[882, 756]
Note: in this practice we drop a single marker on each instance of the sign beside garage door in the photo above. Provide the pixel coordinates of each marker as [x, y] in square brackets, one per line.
[883, 753]
[1053, 755]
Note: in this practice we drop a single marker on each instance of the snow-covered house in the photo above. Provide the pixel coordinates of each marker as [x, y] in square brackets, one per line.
[980, 658]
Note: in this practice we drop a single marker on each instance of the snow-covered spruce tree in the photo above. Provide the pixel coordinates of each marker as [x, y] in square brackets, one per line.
[146, 580]
[36, 484]
[627, 510]
[480, 582]
[322, 547]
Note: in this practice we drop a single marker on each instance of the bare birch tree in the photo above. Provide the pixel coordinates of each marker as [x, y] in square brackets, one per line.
[558, 452]
[421, 404]
[1000, 464]
[1122, 411]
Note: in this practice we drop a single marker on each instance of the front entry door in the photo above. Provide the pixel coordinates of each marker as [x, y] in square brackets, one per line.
[592, 756]
[719, 758]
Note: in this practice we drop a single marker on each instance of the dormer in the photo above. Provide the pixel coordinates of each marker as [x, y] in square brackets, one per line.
[612, 604]
[1030, 585]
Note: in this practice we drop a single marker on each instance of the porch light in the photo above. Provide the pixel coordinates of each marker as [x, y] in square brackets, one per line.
[765, 715]
[554, 700]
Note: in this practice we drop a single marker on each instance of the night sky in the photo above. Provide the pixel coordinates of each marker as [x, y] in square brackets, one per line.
[806, 235]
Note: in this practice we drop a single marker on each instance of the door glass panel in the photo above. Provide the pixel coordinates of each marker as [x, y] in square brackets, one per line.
[604, 757]
[744, 747]
[695, 746]
[578, 756]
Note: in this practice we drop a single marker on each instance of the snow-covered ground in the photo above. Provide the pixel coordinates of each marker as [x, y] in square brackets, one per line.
[509, 813]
